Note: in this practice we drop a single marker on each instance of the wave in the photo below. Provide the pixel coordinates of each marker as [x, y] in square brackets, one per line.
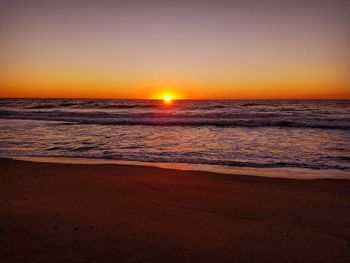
[208, 105]
[107, 155]
[122, 106]
[43, 106]
[251, 104]
[221, 119]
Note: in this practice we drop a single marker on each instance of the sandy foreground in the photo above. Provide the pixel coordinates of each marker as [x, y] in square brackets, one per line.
[119, 213]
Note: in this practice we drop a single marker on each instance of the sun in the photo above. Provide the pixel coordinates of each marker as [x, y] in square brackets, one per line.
[167, 99]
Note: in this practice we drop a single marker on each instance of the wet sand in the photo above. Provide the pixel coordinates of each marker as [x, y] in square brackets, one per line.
[120, 213]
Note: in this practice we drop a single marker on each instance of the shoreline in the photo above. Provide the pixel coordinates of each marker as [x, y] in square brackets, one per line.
[288, 173]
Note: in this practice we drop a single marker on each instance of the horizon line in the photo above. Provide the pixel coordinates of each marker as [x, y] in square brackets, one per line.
[218, 99]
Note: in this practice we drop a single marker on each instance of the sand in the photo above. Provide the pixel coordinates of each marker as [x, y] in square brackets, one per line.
[120, 213]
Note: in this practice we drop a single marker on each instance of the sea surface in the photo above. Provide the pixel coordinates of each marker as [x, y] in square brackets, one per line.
[304, 134]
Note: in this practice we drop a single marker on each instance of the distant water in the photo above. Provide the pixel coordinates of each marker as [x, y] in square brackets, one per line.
[259, 134]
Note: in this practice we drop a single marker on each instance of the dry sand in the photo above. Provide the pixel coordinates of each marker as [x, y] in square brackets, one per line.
[119, 213]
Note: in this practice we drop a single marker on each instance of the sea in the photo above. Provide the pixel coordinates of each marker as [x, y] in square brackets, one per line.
[312, 136]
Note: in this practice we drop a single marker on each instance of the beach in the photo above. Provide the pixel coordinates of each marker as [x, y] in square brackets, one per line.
[52, 212]
[175, 131]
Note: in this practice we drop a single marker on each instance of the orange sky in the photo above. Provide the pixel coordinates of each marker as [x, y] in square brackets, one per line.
[190, 50]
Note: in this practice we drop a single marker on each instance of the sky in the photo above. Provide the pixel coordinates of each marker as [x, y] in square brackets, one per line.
[189, 49]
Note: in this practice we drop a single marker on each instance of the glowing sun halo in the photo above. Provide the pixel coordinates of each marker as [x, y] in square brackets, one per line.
[167, 99]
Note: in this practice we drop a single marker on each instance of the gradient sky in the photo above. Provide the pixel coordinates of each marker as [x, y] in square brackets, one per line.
[190, 49]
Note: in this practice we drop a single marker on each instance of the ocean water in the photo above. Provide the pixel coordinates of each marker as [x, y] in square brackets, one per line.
[258, 134]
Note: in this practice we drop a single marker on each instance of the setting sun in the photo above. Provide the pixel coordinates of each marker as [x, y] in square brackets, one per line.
[178, 112]
[167, 99]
